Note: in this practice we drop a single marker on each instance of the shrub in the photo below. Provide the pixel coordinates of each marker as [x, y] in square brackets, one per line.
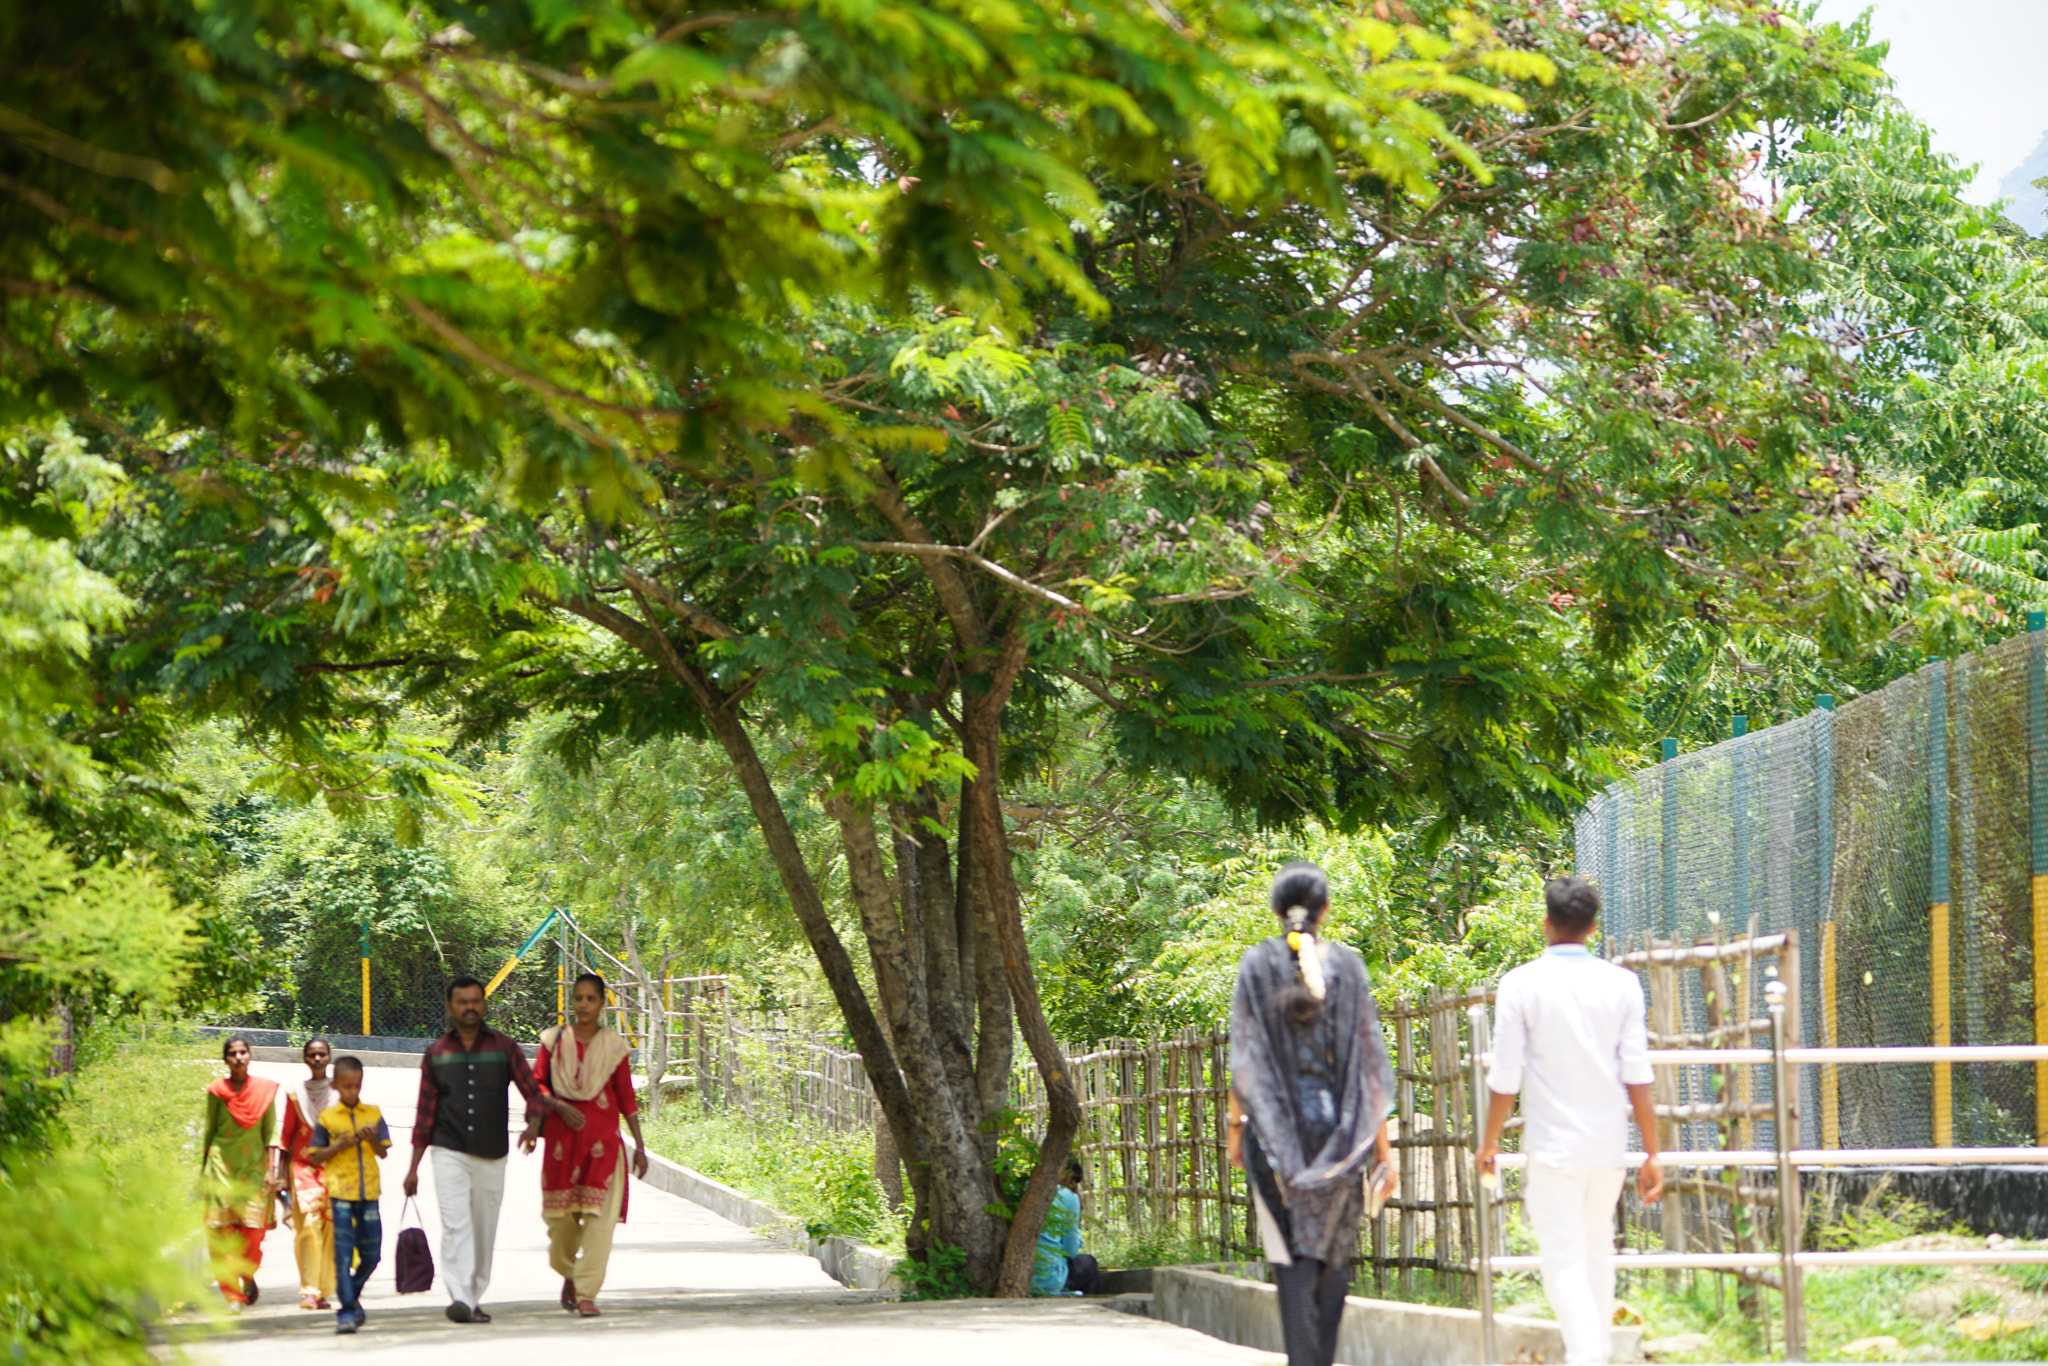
[101, 1238]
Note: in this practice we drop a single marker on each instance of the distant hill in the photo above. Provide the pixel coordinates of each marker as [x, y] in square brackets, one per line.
[2029, 204]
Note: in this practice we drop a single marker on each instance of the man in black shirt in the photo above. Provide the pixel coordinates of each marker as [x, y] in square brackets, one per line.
[463, 1116]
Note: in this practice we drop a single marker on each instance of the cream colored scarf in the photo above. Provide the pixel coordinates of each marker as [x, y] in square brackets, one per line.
[581, 1078]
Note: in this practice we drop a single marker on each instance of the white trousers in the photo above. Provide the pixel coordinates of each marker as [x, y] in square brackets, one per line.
[469, 1191]
[1571, 1212]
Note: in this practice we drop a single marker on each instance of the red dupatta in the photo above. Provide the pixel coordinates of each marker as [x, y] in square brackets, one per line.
[246, 1106]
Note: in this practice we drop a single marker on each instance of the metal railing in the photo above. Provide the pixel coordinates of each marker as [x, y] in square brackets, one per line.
[688, 1029]
[1790, 1260]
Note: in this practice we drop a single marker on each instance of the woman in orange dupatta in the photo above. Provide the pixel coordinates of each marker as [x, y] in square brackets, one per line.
[582, 1179]
[237, 1172]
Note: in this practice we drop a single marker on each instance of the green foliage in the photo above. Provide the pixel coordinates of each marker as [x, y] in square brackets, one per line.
[940, 1274]
[843, 1174]
[1388, 906]
[433, 911]
[99, 940]
[1016, 1156]
[651, 837]
[1116, 1246]
[50, 606]
[1873, 1222]
[102, 1238]
[826, 1184]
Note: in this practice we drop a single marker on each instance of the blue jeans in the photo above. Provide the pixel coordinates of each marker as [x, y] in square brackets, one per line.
[358, 1247]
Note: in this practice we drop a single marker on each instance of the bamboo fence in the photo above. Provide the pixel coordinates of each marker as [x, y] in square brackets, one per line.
[1154, 1115]
[1154, 1112]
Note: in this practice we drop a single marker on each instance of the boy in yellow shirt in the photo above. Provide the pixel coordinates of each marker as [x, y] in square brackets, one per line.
[348, 1138]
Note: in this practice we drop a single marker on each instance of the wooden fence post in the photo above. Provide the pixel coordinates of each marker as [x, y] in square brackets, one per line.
[1127, 1129]
[1404, 1032]
[1197, 1083]
[1149, 1063]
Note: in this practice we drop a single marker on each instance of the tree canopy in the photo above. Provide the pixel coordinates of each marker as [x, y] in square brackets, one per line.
[1353, 423]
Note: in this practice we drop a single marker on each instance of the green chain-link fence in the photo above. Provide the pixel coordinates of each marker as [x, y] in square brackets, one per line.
[341, 982]
[1902, 837]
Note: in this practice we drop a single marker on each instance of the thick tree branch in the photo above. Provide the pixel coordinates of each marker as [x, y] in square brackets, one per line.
[954, 598]
[927, 551]
[983, 748]
[797, 882]
[698, 620]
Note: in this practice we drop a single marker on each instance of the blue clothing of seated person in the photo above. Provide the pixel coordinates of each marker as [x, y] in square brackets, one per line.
[1062, 1268]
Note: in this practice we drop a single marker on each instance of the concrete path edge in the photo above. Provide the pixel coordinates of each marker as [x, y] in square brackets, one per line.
[1373, 1333]
[852, 1264]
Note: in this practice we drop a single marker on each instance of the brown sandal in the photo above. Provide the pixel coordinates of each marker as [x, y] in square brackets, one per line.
[568, 1294]
[586, 1309]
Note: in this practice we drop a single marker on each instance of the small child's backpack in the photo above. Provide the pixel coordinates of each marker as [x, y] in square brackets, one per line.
[415, 1258]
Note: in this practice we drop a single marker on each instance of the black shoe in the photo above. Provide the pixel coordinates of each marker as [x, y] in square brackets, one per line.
[346, 1323]
[458, 1312]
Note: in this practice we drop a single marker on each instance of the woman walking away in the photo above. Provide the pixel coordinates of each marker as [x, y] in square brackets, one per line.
[238, 1178]
[1310, 1090]
[312, 1223]
[582, 1179]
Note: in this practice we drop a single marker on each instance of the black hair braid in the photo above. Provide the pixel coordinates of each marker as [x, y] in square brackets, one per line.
[1300, 892]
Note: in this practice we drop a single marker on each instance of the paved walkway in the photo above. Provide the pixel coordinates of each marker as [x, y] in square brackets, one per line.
[684, 1285]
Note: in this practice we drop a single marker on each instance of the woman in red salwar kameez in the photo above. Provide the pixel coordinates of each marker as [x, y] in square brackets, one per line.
[582, 1176]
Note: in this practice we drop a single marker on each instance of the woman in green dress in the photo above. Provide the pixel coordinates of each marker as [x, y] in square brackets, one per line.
[238, 1177]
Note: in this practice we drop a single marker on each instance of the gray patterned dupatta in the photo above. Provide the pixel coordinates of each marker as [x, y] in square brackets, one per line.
[1263, 1049]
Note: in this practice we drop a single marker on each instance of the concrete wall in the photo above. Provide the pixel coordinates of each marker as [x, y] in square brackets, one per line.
[368, 1057]
[850, 1263]
[295, 1039]
[1374, 1332]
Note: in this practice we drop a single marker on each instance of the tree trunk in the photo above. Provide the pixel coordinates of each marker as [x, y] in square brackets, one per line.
[922, 854]
[722, 716]
[888, 1169]
[981, 961]
[982, 744]
[962, 1187]
[998, 663]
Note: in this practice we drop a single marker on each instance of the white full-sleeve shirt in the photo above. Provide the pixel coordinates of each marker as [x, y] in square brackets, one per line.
[1569, 1035]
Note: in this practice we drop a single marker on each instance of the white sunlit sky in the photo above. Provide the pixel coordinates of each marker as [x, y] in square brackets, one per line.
[1976, 72]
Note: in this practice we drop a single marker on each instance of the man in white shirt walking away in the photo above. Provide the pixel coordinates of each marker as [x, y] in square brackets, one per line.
[1569, 1033]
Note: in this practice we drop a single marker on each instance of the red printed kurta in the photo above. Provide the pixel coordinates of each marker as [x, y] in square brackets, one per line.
[577, 1166]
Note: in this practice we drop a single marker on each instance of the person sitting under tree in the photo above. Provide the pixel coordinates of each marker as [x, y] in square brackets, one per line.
[1062, 1267]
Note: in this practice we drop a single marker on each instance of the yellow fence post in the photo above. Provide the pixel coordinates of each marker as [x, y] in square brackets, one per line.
[1944, 1031]
[366, 976]
[1938, 899]
[1830, 1007]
